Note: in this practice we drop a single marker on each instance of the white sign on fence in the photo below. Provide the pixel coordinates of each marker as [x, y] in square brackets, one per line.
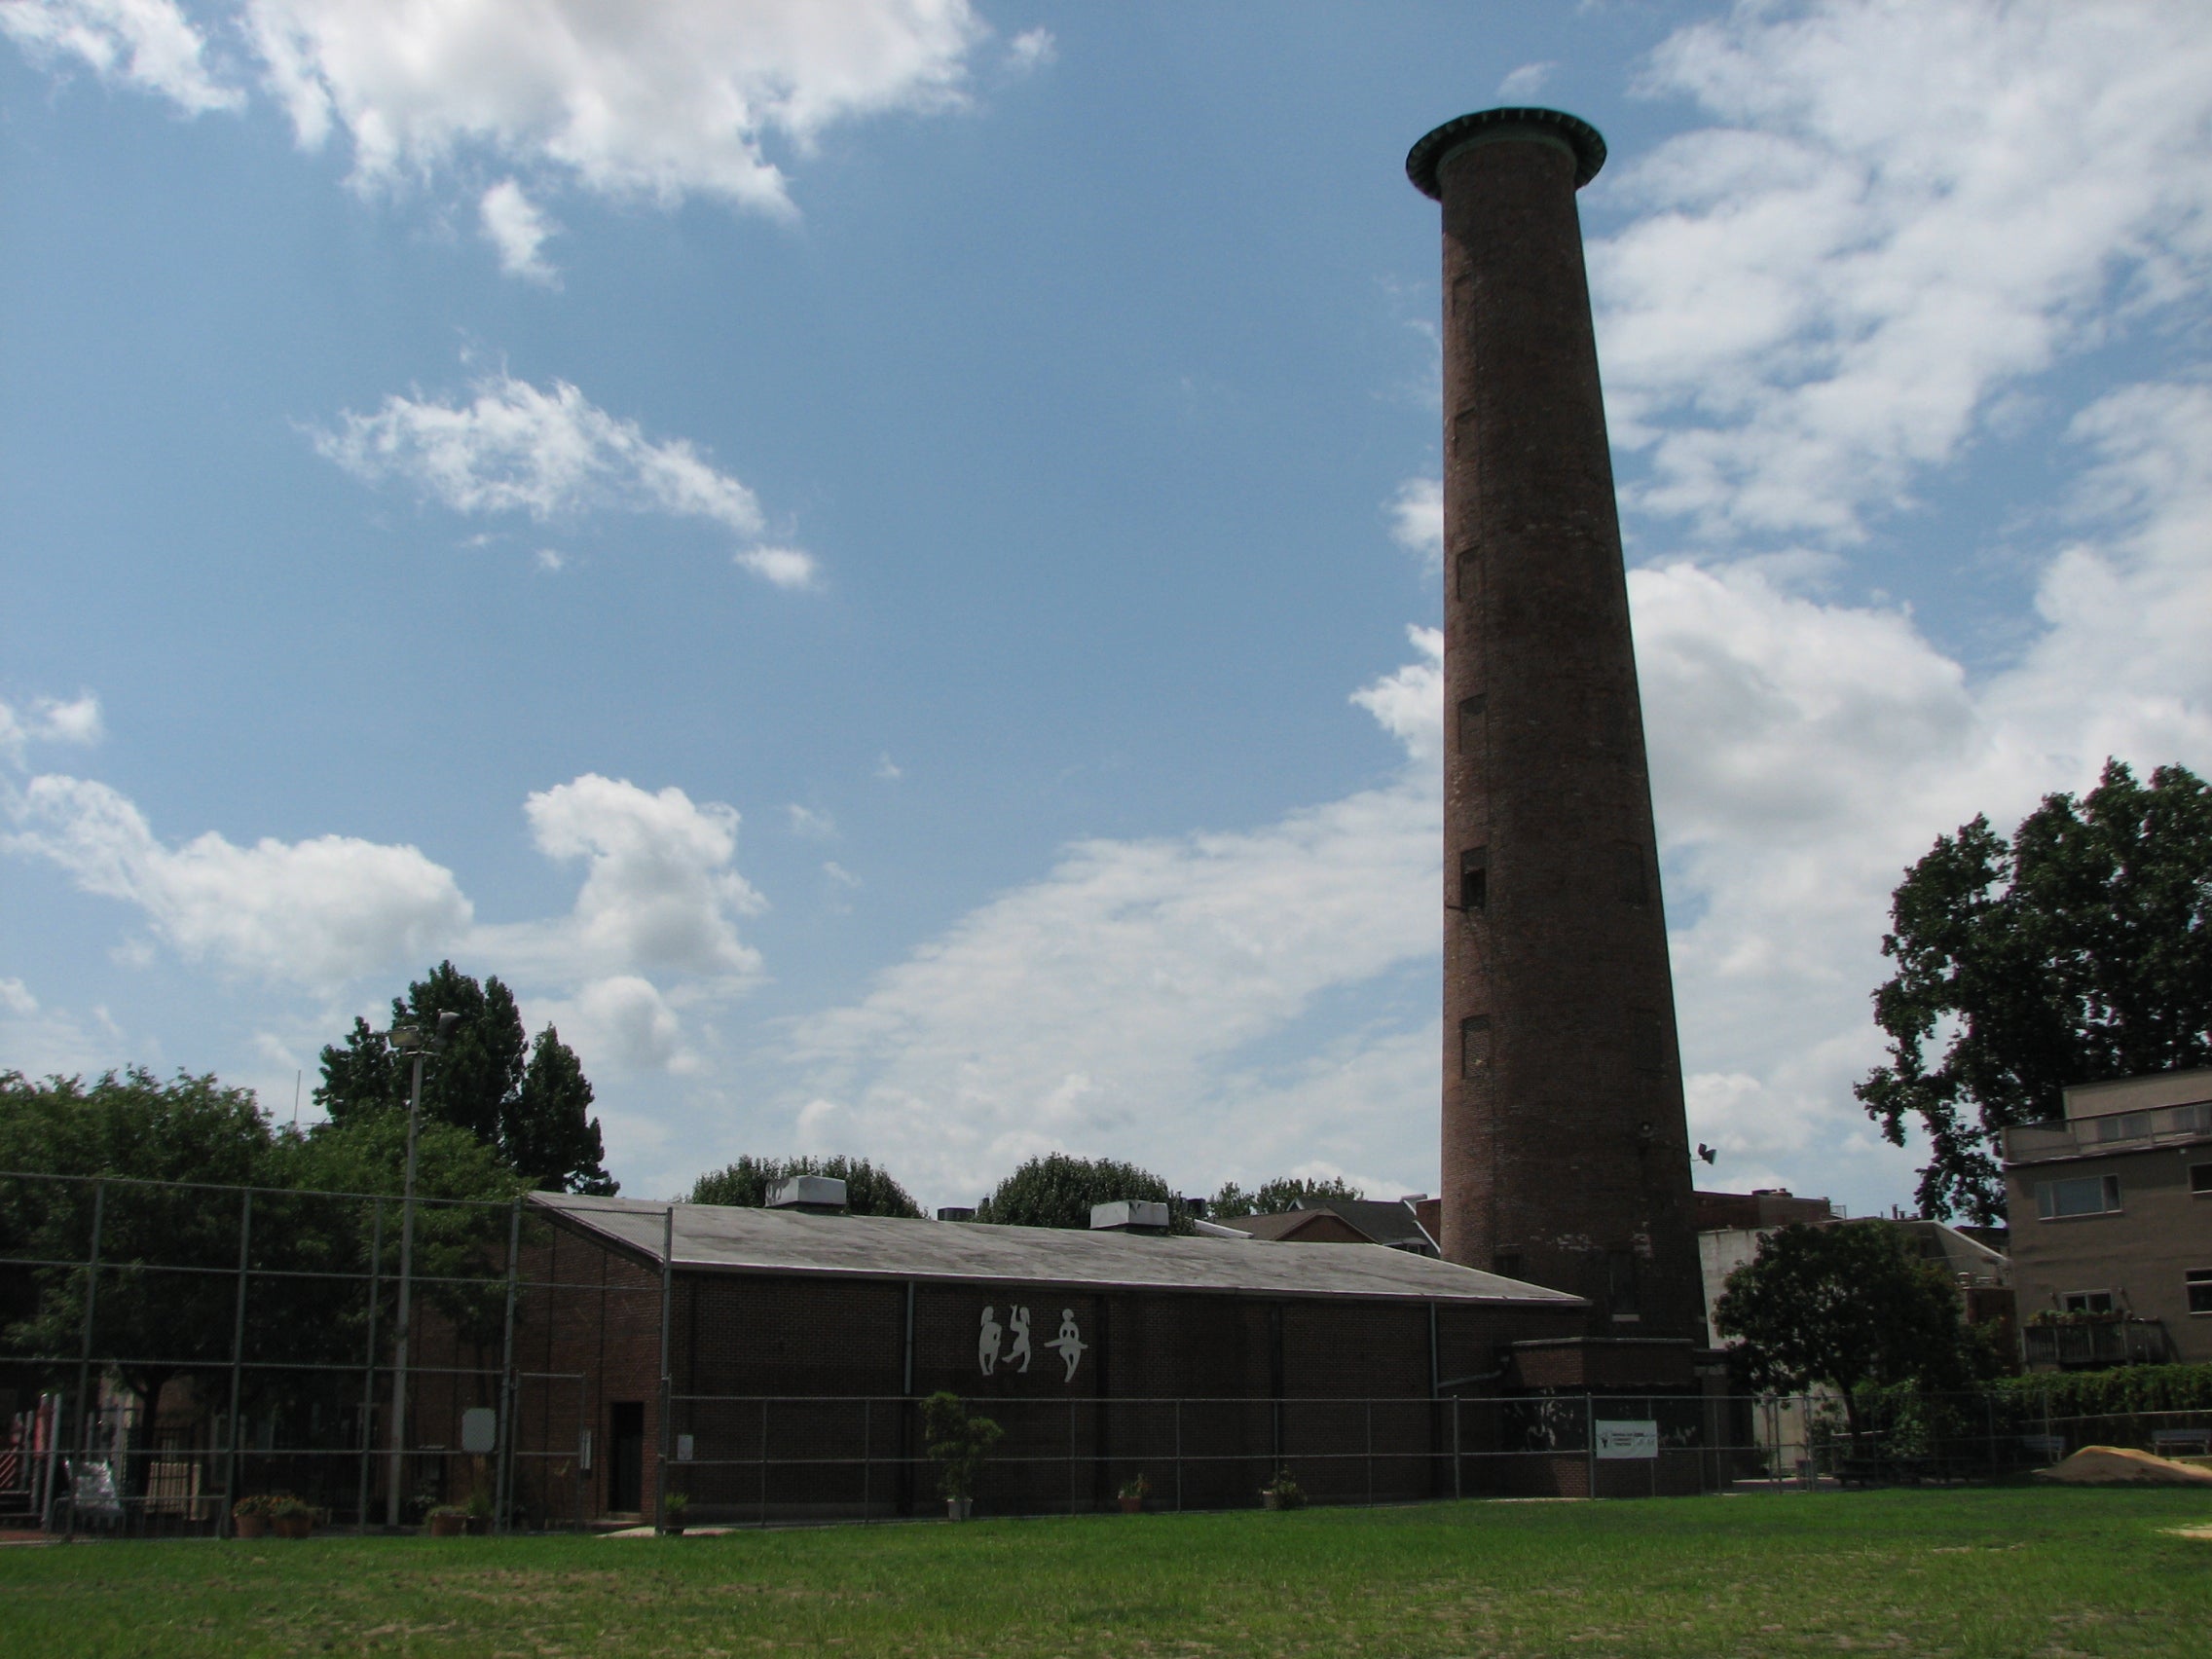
[479, 1429]
[1628, 1439]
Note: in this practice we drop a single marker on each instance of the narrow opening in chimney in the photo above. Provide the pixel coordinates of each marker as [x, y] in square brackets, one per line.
[1474, 1046]
[1506, 1264]
[1471, 713]
[1474, 878]
[1634, 888]
[1623, 1293]
[1469, 566]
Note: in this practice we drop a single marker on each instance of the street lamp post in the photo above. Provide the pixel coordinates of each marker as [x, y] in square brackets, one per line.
[408, 1038]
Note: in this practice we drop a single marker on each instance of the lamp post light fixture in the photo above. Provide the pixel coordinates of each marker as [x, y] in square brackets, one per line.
[409, 1040]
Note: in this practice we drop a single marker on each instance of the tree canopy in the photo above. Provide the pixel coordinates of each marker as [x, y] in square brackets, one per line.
[528, 1100]
[1274, 1197]
[1845, 1305]
[749, 1181]
[1058, 1191]
[2078, 952]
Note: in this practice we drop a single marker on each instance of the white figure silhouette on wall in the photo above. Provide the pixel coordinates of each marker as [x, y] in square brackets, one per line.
[1018, 1321]
[987, 1342]
[1069, 1342]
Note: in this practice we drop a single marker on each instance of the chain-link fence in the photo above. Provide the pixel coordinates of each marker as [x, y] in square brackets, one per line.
[172, 1354]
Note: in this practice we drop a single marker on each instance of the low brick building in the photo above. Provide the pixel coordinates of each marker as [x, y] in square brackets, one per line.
[798, 1345]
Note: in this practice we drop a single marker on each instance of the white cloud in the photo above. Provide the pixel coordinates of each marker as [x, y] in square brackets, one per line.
[547, 453]
[1120, 1004]
[147, 44]
[49, 719]
[16, 998]
[549, 560]
[662, 100]
[518, 228]
[620, 1024]
[784, 567]
[1416, 520]
[1031, 49]
[1908, 207]
[550, 454]
[1526, 82]
[887, 769]
[809, 823]
[315, 913]
[661, 892]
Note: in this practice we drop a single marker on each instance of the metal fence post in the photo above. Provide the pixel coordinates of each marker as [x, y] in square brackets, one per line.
[84, 1415]
[667, 1388]
[1370, 1404]
[237, 1363]
[503, 1472]
[1590, 1446]
[1178, 1454]
[1456, 1463]
[369, 1365]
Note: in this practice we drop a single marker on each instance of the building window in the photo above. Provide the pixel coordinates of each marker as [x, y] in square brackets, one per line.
[2086, 1302]
[2194, 1120]
[1474, 878]
[2084, 1195]
[2200, 1179]
[2199, 1282]
[1474, 1046]
[1470, 568]
[2124, 1125]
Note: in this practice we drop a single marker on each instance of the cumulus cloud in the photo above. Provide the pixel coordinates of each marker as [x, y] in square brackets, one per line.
[1416, 520]
[810, 824]
[313, 912]
[665, 100]
[1117, 1005]
[1903, 210]
[518, 229]
[549, 454]
[661, 892]
[147, 44]
[1031, 49]
[1526, 82]
[49, 719]
[622, 1022]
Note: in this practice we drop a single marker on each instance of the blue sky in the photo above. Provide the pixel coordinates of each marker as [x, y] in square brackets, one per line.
[873, 559]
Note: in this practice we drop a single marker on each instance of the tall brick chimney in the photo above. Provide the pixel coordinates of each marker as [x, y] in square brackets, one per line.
[1566, 1154]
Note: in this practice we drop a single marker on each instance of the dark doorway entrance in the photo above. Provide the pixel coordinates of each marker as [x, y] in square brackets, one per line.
[626, 1456]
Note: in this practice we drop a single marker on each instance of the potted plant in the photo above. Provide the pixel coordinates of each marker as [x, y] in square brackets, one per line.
[1283, 1493]
[479, 1508]
[958, 1442]
[291, 1518]
[250, 1516]
[1134, 1493]
[676, 1506]
[448, 1521]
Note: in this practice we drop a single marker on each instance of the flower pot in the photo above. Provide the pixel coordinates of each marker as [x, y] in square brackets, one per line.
[250, 1526]
[1270, 1500]
[448, 1526]
[959, 1508]
[674, 1530]
[291, 1526]
[1132, 1506]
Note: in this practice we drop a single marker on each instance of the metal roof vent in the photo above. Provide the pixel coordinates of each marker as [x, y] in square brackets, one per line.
[809, 1195]
[1130, 1215]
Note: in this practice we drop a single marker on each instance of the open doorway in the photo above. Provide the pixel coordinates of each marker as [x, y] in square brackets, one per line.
[626, 1456]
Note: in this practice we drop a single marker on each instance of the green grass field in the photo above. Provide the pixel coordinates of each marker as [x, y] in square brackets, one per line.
[1970, 1573]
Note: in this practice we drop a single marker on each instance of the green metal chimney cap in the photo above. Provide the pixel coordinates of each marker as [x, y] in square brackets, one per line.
[1575, 134]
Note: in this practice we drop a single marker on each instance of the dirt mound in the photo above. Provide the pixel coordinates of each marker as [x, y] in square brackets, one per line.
[2123, 1465]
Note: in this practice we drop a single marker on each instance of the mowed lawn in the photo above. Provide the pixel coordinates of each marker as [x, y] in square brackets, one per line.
[1971, 1574]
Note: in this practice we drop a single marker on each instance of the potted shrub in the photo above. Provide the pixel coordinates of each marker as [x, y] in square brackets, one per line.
[1134, 1493]
[1283, 1493]
[448, 1521]
[291, 1518]
[676, 1506]
[479, 1508]
[250, 1516]
[958, 1442]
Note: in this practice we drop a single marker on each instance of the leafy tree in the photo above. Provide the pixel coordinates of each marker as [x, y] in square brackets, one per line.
[751, 1181]
[529, 1101]
[2078, 952]
[1276, 1197]
[1848, 1305]
[1058, 1191]
[957, 1441]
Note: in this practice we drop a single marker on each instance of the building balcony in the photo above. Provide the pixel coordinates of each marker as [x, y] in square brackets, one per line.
[2087, 1344]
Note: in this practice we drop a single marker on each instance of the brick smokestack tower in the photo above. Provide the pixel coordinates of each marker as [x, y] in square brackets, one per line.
[1565, 1152]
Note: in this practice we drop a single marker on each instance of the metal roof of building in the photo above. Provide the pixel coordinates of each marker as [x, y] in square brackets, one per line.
[731, 1239]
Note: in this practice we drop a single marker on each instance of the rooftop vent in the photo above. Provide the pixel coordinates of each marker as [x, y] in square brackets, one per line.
[1130, 1215]
[810, 1194]
[956, 1212]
